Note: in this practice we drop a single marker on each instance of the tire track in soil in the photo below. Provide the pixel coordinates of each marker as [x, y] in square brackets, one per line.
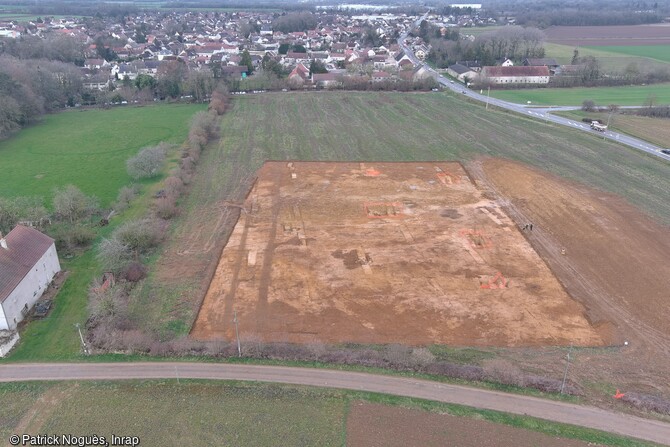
[580, 286]
[42, 409]
[229, 300]
[268, 256]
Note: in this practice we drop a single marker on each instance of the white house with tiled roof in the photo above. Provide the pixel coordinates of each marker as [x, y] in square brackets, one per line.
[28, 263]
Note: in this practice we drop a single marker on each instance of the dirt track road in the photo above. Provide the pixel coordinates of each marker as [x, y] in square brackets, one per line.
[622, 424]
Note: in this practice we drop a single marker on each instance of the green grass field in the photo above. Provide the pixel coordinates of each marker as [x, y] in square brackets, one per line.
[608, 57]
[658, 52]
[86, 148]
[227, 413]
[623, 96]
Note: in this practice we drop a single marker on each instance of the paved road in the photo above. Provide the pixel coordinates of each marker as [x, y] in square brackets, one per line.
[542, 113]
[401, 386]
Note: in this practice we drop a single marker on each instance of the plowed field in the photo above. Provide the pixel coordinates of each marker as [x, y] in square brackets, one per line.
[625, 35]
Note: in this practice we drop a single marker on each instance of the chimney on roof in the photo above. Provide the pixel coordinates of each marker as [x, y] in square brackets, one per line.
[3, 242]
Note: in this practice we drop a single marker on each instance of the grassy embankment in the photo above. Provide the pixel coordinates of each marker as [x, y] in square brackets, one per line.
[654, 130]
[88, 149]
[623, 96]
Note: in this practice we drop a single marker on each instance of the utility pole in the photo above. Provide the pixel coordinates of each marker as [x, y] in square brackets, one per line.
[81, 337]
[488, 93]
[565, 374]
[608, 125]
[237, 334]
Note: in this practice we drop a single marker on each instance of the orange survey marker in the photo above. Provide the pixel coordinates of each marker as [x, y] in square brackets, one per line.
[497, 282]
[372, 172]
[447, 178]
[619, 394]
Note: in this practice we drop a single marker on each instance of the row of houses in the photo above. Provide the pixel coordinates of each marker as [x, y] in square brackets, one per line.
[300, 76]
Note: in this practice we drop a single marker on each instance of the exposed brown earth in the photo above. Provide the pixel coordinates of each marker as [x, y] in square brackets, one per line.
[628, 35]
[616, 263]
[371, 425]
[409, 253]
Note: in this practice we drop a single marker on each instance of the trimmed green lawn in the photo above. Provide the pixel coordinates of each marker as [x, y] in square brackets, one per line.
[623, 96]
[87, 148]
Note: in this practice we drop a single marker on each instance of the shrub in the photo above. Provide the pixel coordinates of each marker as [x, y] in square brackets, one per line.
[139, 235]
[71, 204]
[114, 255]
[202, 128]
[549, 385]
[422, 356]
[219, 100]
[134, 272]
[174, 186]
[147, 163]
[125, 196]
[187, 164]
[69, 237]
[647, 402]
[499, 370]
[81, 235]
[397, 355]
[166, 208]
[105, 303]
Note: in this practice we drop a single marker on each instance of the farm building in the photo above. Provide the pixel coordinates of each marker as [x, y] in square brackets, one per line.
[28, 263]
[461, 72]
[515, 75]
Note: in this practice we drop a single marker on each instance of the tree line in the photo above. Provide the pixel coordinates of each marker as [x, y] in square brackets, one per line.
[545, 13]
[29, 88]
[514, 42]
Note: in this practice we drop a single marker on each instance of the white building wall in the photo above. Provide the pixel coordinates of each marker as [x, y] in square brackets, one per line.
[520, 80]
[30, 289]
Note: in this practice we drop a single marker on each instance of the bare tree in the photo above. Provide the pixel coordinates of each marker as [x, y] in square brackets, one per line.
[114, 255]
[72, 204]
[148, 162]
[588, 105]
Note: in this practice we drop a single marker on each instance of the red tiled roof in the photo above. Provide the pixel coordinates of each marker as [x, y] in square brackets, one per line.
[515, 71]
[25, 246]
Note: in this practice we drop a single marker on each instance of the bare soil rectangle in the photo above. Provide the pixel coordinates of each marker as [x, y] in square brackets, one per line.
[381, 252]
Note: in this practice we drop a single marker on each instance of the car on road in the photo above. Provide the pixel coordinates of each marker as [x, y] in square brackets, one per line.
[665, 151]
